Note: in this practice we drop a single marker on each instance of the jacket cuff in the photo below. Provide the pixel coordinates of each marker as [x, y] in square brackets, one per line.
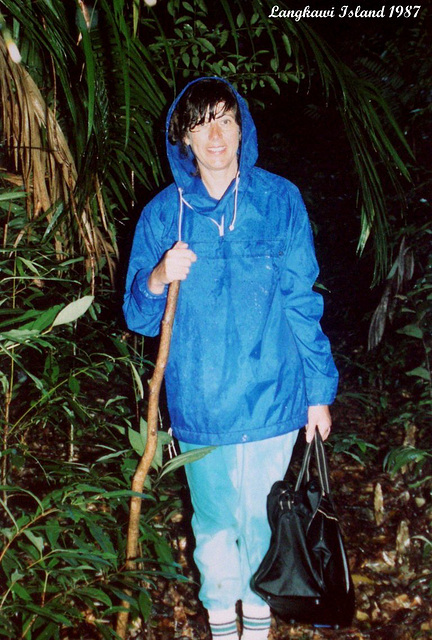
[140, 290]
[321, 390]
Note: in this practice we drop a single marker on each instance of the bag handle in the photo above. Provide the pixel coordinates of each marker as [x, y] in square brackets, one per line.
[321, 461]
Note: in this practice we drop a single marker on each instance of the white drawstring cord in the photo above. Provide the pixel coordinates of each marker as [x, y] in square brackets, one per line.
[180, 217]
[232, 225]
[182, 202]
[219, 226]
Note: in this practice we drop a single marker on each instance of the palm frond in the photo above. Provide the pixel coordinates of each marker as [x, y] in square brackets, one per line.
[367, 119]
[101, 97]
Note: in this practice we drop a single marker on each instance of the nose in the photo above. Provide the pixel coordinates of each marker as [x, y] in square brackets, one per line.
[215, 130]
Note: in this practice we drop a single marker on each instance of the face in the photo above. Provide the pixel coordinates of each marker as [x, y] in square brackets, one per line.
[215, 143]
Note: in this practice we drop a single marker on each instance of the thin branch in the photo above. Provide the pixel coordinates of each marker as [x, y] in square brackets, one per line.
[152, 435]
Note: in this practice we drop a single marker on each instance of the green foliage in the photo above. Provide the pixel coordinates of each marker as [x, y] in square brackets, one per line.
[62, 554]
[71, 389]
[398, 459]
[406, 306]
[138, 441]
[413, 317]
[235, 42]
[400, 333]
[351, 444]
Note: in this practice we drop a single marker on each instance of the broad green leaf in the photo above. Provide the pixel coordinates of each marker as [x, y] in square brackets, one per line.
[287, 44]
[138, 380]
[21, 592]
[95, 595]
[136, 441]
[55, 218]
[47, 612]
[143, 429]
[35, 268]
[420, 372]
[73, 310]
[164, 437]
[17, 490]
[185, 458]
[74, 384]
[126, 493]
[207, 44]
[17, 575]
[36, 540]
[19, 335]
[412, 330]
[164, 551]
[12, 195]
[101, 538]
[53, 530]
[145, 605]
[274, 85]
[402, 456]
[109, 456]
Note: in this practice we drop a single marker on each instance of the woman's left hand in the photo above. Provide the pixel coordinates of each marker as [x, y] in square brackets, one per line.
[318, 417]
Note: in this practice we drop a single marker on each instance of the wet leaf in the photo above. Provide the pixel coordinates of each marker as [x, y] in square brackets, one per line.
[73, 310]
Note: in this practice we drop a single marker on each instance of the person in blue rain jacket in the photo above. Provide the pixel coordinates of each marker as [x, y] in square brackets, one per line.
[249, 364]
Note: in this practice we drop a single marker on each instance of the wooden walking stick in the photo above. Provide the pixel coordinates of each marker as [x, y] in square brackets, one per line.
[150, 448]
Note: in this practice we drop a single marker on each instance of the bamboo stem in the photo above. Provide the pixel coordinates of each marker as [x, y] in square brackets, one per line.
[147, 457]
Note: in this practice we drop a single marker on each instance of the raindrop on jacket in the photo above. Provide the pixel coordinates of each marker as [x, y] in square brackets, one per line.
[248, 355]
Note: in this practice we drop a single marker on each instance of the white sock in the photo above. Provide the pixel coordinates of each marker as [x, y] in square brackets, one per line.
[223, 624]
[256, 622]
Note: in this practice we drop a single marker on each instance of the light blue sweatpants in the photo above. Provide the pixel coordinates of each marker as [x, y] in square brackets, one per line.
[229, 489]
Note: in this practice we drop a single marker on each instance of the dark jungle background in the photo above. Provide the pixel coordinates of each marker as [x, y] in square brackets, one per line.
[343, 109]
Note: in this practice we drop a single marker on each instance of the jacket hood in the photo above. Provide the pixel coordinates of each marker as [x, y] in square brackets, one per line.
[183, 167]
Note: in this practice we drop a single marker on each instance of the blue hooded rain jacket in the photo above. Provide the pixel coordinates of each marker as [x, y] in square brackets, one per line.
[248, 355]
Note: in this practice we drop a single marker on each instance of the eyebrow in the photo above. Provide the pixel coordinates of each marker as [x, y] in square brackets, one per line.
[223, 114]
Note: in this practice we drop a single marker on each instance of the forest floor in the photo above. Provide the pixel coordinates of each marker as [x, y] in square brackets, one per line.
[385, 522]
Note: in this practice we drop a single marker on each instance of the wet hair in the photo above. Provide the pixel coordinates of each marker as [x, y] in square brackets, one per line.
[200, 99]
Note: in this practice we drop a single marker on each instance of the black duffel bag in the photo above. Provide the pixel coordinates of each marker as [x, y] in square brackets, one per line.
[305, 576]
